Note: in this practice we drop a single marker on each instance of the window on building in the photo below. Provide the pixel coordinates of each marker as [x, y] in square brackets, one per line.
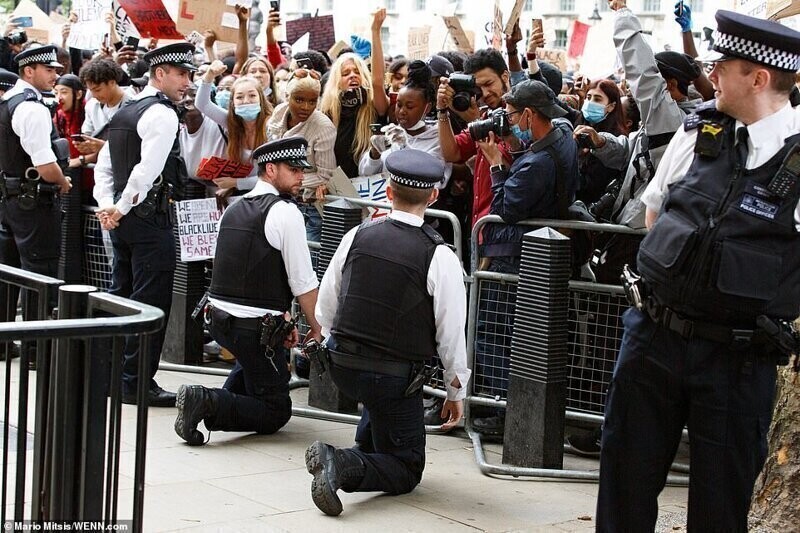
[561, 39]
[567, 6]
[603, 6]
[329, 5]
[696, 5]
[652, 6]
[384, 35]
[302, 5]
[528, 5]
[420, 5]
[391, 5]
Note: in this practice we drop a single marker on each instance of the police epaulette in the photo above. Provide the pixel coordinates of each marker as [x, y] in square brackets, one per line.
[30, 95]
[373, 222]
[432, 234]
[693, 120]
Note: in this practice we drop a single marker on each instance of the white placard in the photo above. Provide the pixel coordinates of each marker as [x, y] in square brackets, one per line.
[372, 188]
[244, 3]
[198, 227]
[87, 33]
[230, 20]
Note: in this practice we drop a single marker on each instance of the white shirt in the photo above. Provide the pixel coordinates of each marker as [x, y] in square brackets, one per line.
[207, 141]
[32, 123]
[766, 138]
[285, 230]
[98, 115]
[157, 128]
[445, 284]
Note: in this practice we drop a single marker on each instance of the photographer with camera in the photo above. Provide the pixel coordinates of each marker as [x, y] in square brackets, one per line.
[11, 45]
[249, 299]
[541, 183]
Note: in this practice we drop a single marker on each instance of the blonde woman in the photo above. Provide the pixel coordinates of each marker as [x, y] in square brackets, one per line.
[299, 116]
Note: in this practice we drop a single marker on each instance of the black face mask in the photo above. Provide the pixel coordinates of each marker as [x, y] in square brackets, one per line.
[353, 97]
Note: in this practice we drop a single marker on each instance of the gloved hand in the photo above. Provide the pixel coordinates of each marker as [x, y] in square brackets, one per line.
[379, 142]
[685, 18]
[396, 135]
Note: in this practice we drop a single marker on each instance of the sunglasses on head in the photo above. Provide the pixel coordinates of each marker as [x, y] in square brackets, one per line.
[304, 72]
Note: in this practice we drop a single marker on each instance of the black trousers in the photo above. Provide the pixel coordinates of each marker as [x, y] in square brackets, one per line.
[661, 383]
[391, 436]
[255, 397]
[144, 263]
[30, 240]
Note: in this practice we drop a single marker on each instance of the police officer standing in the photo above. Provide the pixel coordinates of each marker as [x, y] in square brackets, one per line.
[30, 175]
[720, 276]
[392, 297]
[261, 262]
[135, 171]
[7, 81]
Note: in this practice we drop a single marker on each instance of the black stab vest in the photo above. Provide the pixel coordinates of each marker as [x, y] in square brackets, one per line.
[126, 146]
[724, 249]
[384, 305]
[14, 160]
[247, 269]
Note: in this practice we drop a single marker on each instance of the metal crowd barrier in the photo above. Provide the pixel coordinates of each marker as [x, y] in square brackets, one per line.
[77, 432]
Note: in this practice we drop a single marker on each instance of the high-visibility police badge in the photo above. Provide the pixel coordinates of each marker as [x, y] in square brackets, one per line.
[709, 139]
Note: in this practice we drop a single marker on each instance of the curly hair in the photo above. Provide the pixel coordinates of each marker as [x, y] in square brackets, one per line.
[101, 70]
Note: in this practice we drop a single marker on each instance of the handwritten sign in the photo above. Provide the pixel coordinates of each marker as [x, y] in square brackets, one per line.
[419, 42]
[123, 23]
[577, 40]
[151, 18]
[372, 188]
[87, 33]
[513, 18]
[198, 227]
[457, 34]
[557, 58]
[497, 26]
[204, 15]
[213, 167]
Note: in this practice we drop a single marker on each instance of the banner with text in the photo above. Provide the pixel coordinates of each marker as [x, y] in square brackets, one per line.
[151, 18]
[419, 43]
[198, 226]
[372, 188]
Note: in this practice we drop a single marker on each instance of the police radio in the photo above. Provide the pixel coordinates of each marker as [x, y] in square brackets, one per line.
[785, 181]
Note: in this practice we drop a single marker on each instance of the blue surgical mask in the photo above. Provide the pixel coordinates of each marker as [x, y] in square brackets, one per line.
[248, 112]
[223, 99]
[524, 136]
[593, 112]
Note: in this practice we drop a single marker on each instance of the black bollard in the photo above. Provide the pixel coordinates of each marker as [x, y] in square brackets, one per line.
[537, 390]
[339, 217]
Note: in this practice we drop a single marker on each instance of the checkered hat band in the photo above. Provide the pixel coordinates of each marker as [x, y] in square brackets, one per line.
[408, 182]
[45, 57]
[172, 57]
[757, 52]
[282, 155]
[5, 85]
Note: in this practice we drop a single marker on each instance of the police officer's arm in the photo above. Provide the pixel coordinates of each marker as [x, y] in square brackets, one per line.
[103, 191]
[31, 122]
[673, 167]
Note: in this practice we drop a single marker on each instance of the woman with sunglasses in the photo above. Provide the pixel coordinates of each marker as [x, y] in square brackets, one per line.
[299, 116]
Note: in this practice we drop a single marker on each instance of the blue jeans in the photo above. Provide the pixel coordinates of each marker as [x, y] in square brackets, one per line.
[662, 382]
[313, 222]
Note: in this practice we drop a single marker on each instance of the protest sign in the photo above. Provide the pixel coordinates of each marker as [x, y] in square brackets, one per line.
[457, 34]
[513, 18]
[418, 42]
[558, 58]
[778, 9]
[205, 15]
[577, 40]
[497, 27]
[213, 167]
[372, 188]
[151, 18]
[123, 23]
[333, 51]
[198, 226]
[42, 29]
[320, 29]
[88, 32]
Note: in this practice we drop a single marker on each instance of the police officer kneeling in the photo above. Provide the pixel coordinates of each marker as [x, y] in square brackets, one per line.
[261, 262]
[720, 277]
[392, 297]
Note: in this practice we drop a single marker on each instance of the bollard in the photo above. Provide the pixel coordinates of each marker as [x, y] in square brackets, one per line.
[339, 217]
[183, 342]
[74, 471]
[537, 389]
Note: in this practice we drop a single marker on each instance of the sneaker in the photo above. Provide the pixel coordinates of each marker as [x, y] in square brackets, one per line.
[433, 413]
[586, 444]
[194, 403]
[490, 425]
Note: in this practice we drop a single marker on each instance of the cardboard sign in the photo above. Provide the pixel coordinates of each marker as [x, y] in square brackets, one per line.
[372, 188]
[198, 227]
[419, 42]
[577, 40]
[778, 9]
[557, 58]
[88, 32]
[123, 23]
[151, 18]
[202, 15]
[42, 28]
[457, 34]
[333, 51]
[213, 167]
[320, 29]
[497, 27]
[513, 18]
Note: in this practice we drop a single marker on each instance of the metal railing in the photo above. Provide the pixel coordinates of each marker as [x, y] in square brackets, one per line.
[77, 436]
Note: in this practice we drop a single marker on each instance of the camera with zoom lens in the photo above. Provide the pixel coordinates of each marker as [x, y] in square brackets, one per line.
[497, 122]
[17, 37]
[601, 209]
[584, 140]
[465, 88]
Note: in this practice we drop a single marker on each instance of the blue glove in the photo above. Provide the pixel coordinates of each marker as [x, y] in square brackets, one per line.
[360, 46]
[685, 19]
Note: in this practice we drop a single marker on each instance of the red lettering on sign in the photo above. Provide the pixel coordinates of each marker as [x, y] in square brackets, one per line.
[184, 13]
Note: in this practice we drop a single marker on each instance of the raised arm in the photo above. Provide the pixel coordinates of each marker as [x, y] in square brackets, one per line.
[379, 98]
[242, 44]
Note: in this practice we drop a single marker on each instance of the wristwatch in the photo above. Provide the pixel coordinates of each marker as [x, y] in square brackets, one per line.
[82, 159]
[497, 168]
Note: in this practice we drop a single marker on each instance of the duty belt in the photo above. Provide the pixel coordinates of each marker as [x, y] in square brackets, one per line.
[689, 329]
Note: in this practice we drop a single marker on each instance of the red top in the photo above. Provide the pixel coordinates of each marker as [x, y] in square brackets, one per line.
[274, 55]
[482, 180]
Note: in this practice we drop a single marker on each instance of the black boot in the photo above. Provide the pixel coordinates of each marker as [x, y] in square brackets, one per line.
[331, 468]
[194, 403]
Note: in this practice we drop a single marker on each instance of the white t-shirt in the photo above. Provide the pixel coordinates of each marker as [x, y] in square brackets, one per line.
[207, 141]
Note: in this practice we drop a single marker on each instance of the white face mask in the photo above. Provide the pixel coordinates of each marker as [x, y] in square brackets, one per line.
[418, 125]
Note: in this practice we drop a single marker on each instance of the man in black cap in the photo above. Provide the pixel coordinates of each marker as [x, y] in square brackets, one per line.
[138, 170]
[261, 262]
[720, 283]
[30, 175]
[392, 298]
[541, 183]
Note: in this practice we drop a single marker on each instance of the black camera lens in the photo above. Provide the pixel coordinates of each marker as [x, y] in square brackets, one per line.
[496, 122]
[17, 37]
[465, 88]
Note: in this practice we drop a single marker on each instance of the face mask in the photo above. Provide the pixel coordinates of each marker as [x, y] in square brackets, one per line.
[524, 136]
[223, 99]
[417, 126]
[353, 97]
[268, 91]
[593, 112]
[248, 112]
